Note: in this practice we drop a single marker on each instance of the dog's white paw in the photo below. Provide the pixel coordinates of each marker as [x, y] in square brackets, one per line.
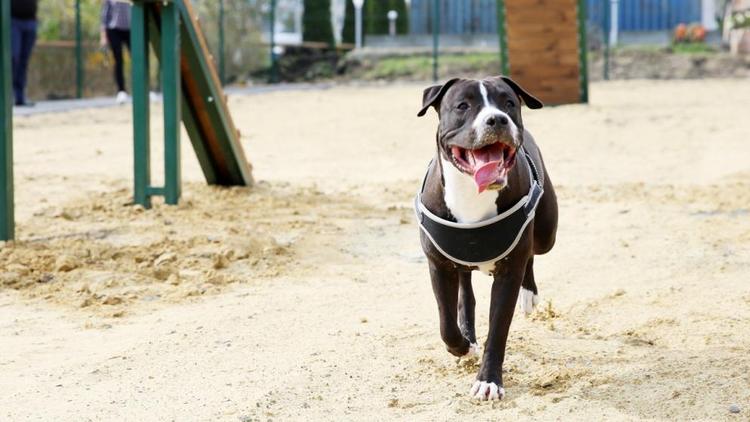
[475, 350]
[527, 301]
[482, 390]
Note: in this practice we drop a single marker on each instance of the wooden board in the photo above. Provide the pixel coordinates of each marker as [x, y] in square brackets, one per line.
[543, 48]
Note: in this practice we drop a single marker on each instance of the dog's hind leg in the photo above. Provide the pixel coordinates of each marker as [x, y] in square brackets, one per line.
[528, 298]
[445, 286]
[466, 305]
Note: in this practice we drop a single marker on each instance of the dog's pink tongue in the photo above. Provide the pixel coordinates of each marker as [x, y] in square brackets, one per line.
[487, 174]
[487, 165]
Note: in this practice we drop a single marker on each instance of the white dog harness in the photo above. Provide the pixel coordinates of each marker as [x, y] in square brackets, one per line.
[485, 242]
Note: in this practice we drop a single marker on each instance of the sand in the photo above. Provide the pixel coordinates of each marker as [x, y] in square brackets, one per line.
[307, 297]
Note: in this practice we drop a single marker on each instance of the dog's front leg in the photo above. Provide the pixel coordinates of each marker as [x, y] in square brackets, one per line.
[505, 287]
[445, 287]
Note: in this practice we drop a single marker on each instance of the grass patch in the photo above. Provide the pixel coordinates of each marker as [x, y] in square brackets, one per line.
[420, 67]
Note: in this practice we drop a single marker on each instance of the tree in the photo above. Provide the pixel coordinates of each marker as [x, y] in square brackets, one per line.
[316, 22]
[347, 33]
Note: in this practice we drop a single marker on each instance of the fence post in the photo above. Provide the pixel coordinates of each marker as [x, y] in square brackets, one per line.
[502, 38]
[274, 77]
[222, 69]
[606, 35]
[79, 52]
[7, 226]
[583, 52]
[435, 38]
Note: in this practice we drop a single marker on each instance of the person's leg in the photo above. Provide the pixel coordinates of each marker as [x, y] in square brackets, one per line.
[115, 43]
[28, 40]
[126, 38]
[15, 43]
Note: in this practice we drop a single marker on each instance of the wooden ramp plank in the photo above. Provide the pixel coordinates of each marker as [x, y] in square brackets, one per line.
[205, 113]
[543, 48]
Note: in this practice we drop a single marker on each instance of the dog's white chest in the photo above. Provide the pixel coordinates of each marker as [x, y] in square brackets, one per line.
[464, 201]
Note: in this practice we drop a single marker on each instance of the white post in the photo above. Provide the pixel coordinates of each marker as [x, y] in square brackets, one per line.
[358, 22]
[392, 16]
[613, 19]
[708, 14]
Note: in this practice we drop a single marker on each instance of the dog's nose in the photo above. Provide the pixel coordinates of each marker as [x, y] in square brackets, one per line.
[496, 120]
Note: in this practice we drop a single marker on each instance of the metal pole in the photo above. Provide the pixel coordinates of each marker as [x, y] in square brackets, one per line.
[139, 42]
[79, 52]
[7, 226]
[614, 22]
[606, 36]
[171, 92]
[274, 61]
[222, 69]
[358, 25]
[502, 38]
[583, 52]
[435, 38]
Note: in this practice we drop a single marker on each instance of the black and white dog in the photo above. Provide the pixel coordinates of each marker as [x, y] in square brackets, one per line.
[486, 204]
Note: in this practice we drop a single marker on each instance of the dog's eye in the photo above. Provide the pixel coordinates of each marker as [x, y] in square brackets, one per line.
[463, 106]
[511, 104]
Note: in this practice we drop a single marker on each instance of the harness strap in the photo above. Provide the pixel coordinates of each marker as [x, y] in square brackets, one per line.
[484, 242]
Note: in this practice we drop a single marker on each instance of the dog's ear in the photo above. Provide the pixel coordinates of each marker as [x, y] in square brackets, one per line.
[528, 99]
[433, 95]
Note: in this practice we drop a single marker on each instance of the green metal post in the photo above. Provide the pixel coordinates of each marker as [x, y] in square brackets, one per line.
[435, 38]
[274, 60]
[171, 91]
[79, 52]
[7, 226]
[502, 37]
[583, 52]
[607, 27]
[139, 36]
[222, 69]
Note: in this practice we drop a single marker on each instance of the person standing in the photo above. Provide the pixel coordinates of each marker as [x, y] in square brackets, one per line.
[22, 37]
[115, 31]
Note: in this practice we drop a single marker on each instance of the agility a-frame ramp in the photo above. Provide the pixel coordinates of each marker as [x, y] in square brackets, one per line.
[543, 47]
[192, 94]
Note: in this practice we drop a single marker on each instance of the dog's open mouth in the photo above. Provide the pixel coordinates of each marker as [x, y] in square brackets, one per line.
[489, 165]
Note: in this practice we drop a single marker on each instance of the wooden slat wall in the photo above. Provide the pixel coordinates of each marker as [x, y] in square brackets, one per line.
[543, 48]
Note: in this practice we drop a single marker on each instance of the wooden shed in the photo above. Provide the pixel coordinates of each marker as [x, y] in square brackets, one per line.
[543, 47]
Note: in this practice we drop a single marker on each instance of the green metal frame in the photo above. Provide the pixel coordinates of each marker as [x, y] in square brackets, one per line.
[192, 94]
[139, 36]
[141, 32]
[583, 62]
[502, 37]
[171, 91]
[7, 225]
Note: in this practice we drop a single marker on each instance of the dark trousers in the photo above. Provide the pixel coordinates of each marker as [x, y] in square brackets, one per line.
[22, 39]
[116, 39]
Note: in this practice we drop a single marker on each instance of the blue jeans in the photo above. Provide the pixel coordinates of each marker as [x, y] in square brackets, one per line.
[22, 39]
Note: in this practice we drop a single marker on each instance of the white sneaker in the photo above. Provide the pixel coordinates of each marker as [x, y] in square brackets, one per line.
[122, 97]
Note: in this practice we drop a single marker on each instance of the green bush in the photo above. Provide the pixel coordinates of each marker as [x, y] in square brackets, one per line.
[376, 16]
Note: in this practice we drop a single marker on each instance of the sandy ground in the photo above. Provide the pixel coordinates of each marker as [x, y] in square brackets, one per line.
[307, 297]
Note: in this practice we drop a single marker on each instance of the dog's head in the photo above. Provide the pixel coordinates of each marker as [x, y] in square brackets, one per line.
[480, 126]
